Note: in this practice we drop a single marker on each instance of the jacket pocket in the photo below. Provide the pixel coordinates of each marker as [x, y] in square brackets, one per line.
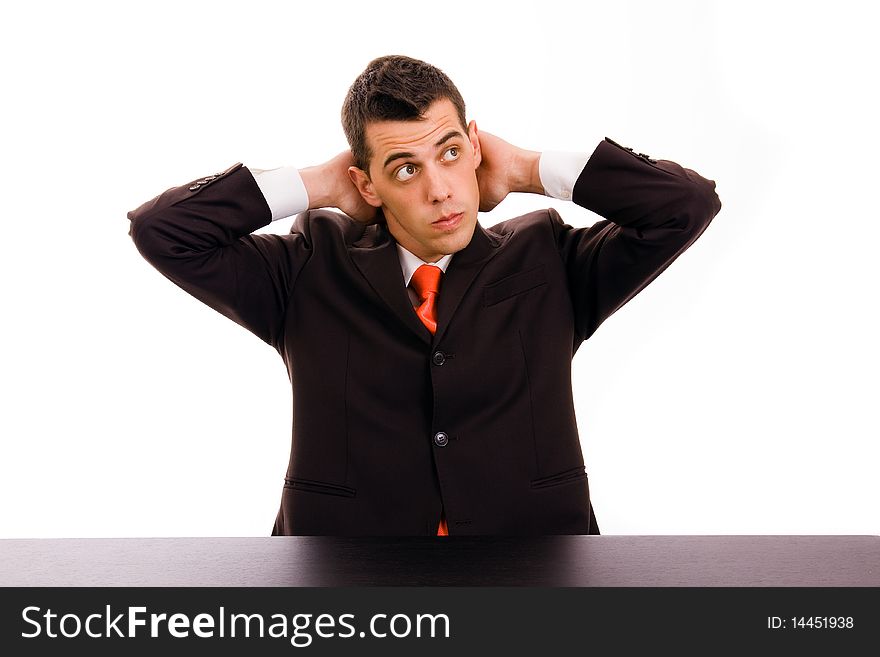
[513, 285]
[318, 487]
[560, 478]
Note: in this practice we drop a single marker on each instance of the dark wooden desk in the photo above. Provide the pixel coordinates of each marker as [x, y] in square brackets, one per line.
[552, 561]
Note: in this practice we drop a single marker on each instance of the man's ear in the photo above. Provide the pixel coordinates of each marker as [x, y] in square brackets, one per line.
[365, 186]
[474, 137]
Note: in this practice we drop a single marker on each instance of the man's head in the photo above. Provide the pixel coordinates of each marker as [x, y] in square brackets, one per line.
[415, 155]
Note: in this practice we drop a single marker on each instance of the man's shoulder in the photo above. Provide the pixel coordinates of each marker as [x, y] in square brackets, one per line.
[326, 225]
[539, 221]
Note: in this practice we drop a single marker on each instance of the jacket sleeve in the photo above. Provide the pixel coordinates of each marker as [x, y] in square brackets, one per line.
[653, 210]
[199, 236]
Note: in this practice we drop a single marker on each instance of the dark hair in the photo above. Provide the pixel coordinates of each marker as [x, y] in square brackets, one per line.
[393, 88]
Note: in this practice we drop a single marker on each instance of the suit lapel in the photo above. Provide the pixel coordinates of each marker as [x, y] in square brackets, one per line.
[380, 265]
[462, 271]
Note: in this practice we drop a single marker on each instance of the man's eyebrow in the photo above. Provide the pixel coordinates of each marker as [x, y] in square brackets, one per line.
[396, 156]
[449, 135]
[402, 156]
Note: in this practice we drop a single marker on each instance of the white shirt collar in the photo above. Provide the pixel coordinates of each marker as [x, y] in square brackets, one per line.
[410, 262]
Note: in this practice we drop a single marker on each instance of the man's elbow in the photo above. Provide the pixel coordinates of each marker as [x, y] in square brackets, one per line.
[713, 201]
[150, 237]
[701, 204]
[141, 234]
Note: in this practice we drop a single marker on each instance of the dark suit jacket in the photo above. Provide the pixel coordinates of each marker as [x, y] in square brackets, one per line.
[390, 423]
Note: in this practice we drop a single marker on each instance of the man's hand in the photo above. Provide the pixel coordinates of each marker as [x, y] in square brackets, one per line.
[329, 186]
[505, 168]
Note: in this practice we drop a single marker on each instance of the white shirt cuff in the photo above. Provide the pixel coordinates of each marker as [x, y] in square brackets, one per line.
[283, 189]
[559, 172]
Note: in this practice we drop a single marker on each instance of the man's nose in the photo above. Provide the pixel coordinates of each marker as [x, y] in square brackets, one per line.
[438, 185]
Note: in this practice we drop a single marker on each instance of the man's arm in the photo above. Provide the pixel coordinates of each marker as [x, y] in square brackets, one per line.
[199, 235]
[653, 210]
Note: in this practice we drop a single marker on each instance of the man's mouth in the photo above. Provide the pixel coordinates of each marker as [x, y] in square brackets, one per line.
[448, 221]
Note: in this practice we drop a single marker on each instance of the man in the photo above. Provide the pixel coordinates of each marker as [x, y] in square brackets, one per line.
[430, 358]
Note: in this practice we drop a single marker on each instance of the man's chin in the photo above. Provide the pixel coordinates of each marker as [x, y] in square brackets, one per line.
[458, 240]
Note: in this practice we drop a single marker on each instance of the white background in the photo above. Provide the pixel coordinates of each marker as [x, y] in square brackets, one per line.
[736, 394]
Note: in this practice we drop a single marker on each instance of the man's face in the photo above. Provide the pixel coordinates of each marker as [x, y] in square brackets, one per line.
[423, 176]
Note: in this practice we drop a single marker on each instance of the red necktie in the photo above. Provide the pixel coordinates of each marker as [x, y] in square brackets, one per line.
[426, 283]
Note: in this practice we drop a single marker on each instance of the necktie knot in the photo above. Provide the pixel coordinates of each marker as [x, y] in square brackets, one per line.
[425, 280]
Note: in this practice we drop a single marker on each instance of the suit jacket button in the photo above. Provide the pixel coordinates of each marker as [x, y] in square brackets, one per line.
[441, 439]
[438, 358]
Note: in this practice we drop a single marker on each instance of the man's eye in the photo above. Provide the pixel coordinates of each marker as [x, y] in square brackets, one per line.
[405, 173]
[453, 153]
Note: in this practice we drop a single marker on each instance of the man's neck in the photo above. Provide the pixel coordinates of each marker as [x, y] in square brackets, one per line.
[409, 262]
